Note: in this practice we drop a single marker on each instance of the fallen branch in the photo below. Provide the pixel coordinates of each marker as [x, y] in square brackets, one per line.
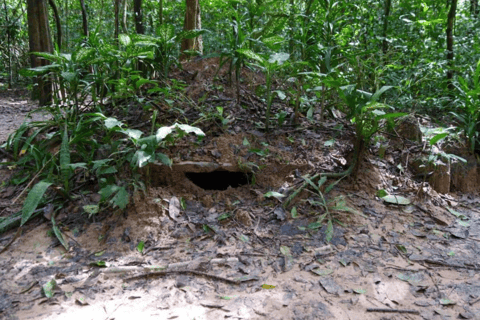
[125, 269]
[194, 272]
[392, 310]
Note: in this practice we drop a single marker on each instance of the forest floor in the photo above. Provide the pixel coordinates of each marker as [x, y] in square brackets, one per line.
[238, 253]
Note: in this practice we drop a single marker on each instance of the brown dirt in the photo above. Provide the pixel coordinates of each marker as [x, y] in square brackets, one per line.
[418, 257]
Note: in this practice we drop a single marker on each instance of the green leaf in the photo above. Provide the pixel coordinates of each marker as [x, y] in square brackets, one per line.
[382, 193]
[279, 58]
[251, 55]
[329, 231]
[121, 198]
[133, 133]
[91, 209]
[99, 263]
[447, 302]
[163, 158]
[108, 191]
[33, 199]
[49, 287]
[320, 272]
[294, 213]
[59, 234]
[267, 286]
[402, 248]
[274, 194]
[141, 158]
[141, 246]
[329, 143]
[377, 94]
[360, 291]
[437, 138]
[396, 200]
[65, 156]
[285, 251]
[112, 123]
[124, 39]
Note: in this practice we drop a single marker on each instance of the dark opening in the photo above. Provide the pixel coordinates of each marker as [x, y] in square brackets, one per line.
[218, 180]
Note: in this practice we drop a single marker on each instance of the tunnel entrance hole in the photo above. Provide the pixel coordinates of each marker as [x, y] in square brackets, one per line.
[219, 179]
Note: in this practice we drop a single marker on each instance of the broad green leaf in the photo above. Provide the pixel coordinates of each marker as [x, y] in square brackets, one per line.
[133, 133]
[279, 58]
[33, 199]
[377, 94]
[250, 54]
[108, 191]
[69, 76]
[121, 198]
[141, 158]
[437, 138]
[190, 129]
[112, 122]
[124, 39]
[396, 200]
[163, 158]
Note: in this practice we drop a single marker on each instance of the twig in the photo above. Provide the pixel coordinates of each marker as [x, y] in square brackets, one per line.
[392, 310]
[194, 272]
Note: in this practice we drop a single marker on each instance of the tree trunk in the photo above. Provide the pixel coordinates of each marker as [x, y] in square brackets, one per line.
[117, 22]
[192, 22]
[58, 23]
[124, 17]
[160, 12]
[84, 18]
[388, 4]
[137, 9]
[39, 41]
[10, 71]
[450, 25]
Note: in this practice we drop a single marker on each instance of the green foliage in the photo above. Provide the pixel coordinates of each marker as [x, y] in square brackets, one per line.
[468, 108]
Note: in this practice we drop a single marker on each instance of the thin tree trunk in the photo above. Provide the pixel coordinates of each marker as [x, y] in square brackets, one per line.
[160, 12]
[84, 18]
[137, 9]
[388, 4]
[124, 17]
[291, 20]
[192, 22]
[450, 55]
[117, 18]
[7, 18]
[39, 41]
[58, 23]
